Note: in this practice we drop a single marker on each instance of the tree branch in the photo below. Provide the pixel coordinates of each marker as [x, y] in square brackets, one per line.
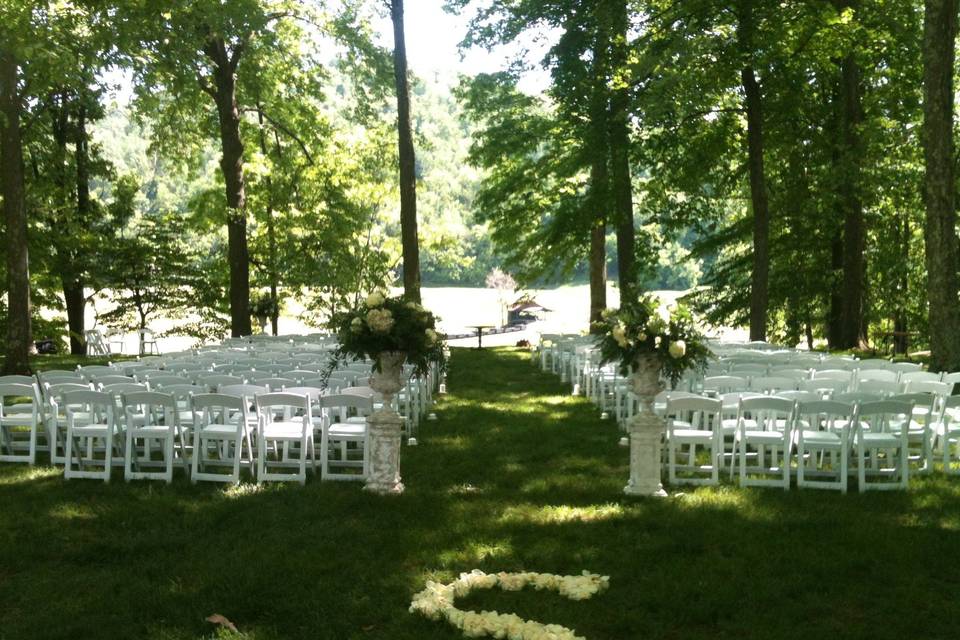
[283, 129]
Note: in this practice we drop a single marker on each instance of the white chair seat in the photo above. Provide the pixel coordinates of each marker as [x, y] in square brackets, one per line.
[218, 429]
[819, 438]
[765, 437]
[91, 429]
[347, 429]
[692, 435]
[283, 430]
[151, 430]
[879, 439]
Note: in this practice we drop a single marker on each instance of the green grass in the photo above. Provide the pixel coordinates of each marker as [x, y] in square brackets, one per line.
[514, 475]
[44, 362]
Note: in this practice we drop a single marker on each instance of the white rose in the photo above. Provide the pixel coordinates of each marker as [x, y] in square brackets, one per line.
[375, 299]
[431, 337]
[678, 349]
[619, 334]
[380, 320]
[357, 325]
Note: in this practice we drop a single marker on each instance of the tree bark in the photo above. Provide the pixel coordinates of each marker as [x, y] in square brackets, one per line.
[71, 277]
[620, 157]
[597, 148]
[760, 274]
[271, 232]
[851, 332]
[17, 360]
[753, 105]
[939, 35]
[408, 177]
[598, 272]
[231, 163]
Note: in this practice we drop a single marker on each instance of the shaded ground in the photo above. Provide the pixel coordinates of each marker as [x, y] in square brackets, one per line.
[514, 475]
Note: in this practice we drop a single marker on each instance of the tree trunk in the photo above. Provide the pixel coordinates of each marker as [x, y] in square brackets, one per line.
[620, 158]
[598, 272]
[939, 34]
[271, 232]
[835, 318]
[753, 105]
[17, 360]
[408, 177]
[851, 332]
[760, 274]
[231, 163]
[72, 279]
[598, 150]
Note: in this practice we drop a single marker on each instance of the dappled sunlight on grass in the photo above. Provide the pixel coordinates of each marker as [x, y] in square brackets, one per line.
[513, 475]
[242, 490]
[30, 474]
[475, 553]
[559, 514]
[72, 511]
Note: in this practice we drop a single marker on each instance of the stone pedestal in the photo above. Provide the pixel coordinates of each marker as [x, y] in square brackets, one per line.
[384, 431]
[645, 434]
[646, 431]
[384, 428]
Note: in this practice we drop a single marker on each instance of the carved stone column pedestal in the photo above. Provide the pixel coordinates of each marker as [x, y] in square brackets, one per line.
[645, 433]
[384, 432]
[384, 428]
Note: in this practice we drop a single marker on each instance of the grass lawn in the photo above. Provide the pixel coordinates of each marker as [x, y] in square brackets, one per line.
[515, 475]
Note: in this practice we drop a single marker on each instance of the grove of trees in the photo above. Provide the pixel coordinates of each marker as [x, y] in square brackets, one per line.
[793, 161]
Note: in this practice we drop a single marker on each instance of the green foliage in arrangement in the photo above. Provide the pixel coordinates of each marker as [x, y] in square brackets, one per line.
[652, 327]
[383, 324]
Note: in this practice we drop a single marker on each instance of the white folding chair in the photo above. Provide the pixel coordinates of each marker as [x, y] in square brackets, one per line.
[221, 433]
[821, 436]
[91, 428]
[293, 430]
[345, 423]
[886, 447]
[21, 421]
[151, 416]
[763, 433]
[693, 423]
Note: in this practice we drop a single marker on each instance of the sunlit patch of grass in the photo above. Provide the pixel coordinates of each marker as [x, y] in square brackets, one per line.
[26, 474]
[243, 490]
[465, 489]
[474, 553]
[560, 514]
[72, 511]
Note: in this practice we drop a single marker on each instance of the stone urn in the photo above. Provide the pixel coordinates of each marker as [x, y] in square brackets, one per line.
[384, 427]
[646, 431]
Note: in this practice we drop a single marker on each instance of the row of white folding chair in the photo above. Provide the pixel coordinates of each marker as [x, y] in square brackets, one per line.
[150, 416]
[769, 428]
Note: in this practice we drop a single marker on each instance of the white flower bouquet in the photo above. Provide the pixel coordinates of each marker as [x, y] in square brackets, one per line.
[381, 324]
[650, 327]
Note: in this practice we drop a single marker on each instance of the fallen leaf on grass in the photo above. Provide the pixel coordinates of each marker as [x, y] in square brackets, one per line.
[223, 622]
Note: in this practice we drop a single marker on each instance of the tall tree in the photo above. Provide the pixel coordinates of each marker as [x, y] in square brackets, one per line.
[408, 175]
[597, 147]
[753, 105]
[620, 180]
[14, 213]
[200, 46]
[940, 232]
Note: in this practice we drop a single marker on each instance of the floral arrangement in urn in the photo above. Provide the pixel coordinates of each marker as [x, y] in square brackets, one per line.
[652, 328]
[381, 324]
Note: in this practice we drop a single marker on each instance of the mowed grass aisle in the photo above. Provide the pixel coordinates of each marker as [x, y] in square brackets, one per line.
[514, 475]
